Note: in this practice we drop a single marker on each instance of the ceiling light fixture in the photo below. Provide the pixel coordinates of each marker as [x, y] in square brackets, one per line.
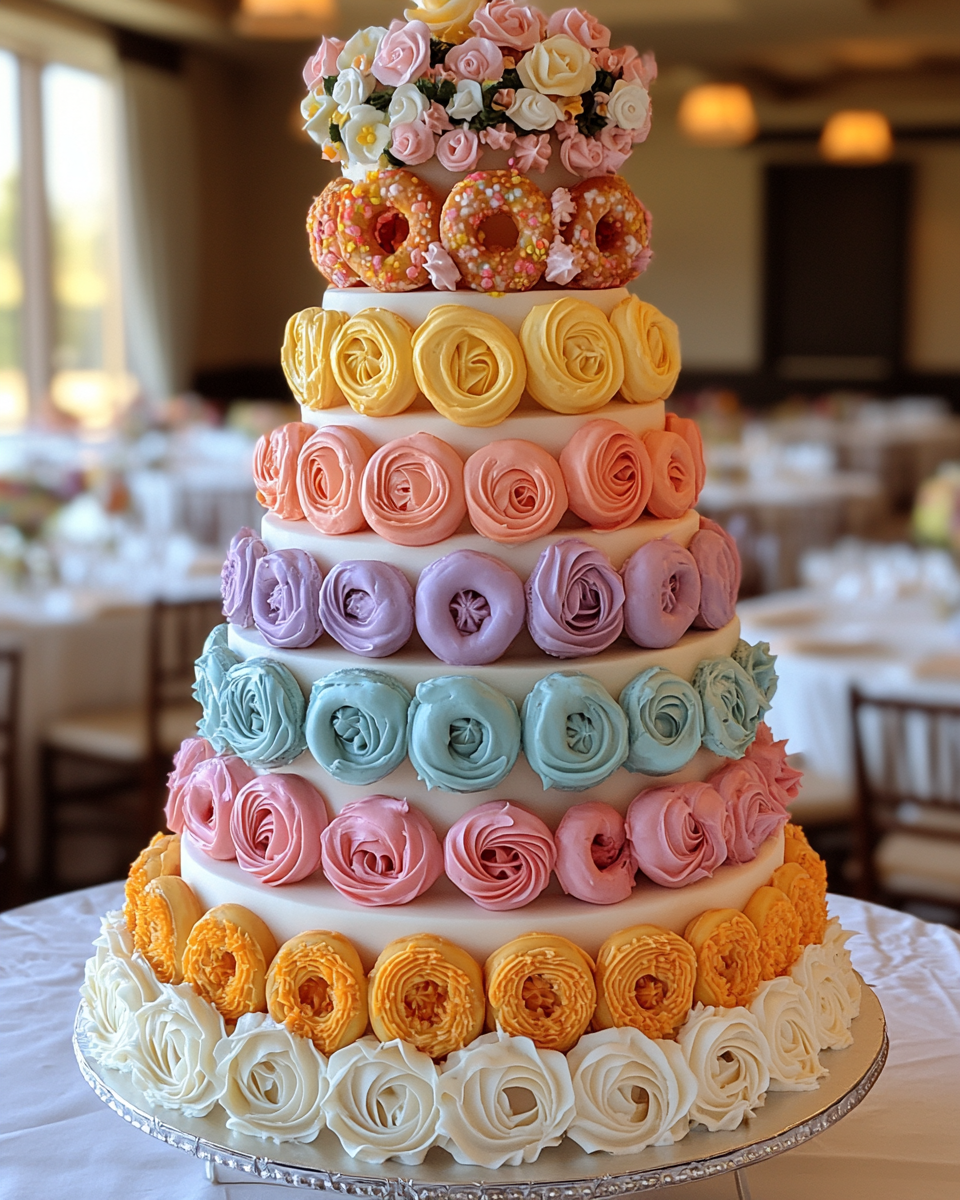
[718, 114]
[857, 137]
[285, 19]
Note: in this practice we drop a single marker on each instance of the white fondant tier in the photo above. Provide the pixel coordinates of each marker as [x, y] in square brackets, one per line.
[515, 677]
[443, 910]
[618, 545]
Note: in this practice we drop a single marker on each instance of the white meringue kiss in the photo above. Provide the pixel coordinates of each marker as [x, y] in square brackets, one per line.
[381, 1101]
[826, 975]
[273, 1081]
[172, 1060]
[728, 1054]
[787, 1020]
[116, 983]
[502, 1101]
[630, 1091]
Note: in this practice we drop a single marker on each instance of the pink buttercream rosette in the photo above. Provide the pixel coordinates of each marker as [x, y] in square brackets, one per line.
[771, 757]
[754, 813]
[500, 855]
[381, 851]
[678, 833]
[595, 861]
[276, 822]
[192, 752]
[208, 796]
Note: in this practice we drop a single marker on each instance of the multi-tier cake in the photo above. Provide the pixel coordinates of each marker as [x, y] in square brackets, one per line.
[483, 842]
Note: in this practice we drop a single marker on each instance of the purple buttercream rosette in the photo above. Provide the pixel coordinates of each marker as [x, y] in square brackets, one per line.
[662, 585]
[574, 600]
[470, 607]
[236, 578]
[367, 606]
[286, 599]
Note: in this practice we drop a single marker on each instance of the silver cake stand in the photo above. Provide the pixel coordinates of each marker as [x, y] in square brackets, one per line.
[787, 1119]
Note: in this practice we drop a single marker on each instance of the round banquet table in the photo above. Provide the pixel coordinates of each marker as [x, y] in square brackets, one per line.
[57, 1139]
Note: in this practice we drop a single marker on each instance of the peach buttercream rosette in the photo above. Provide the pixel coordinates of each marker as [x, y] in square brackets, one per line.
[727, 947]
[317, 989]
[226, 959]
[645, 979]
[329, 474]
[412, 491]
[674, 474]
[608, 474]
[515, 491]
[275, 469]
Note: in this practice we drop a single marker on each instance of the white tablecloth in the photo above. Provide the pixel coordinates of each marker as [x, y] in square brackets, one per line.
[57, 1140]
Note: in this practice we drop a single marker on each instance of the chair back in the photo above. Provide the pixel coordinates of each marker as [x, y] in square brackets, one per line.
[907, 757]
[10, 876]
[177, 632]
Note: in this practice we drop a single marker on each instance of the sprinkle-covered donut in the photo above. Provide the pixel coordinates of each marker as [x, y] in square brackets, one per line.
[385, 226]
[322, 234]
[609, 233]
[491, 259]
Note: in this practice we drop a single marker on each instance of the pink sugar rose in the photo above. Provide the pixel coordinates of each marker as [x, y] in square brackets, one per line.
[412, 143]
[459, 150]
[323, 63]
[509, 24]
[403, 53]
[564, 130]
[639, 68]
[582, 156]
[477, 58]
[641, 134]
[498, 137]
[504, 98]
[617, 144]
[532, 152]
[436, 119]
[580, 26]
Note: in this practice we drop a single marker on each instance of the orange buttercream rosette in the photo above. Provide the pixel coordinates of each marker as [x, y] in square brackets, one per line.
[275, 469]
[166, 913]
[317, 988]
[160, 857]
[514, 491]
[541, 986]
[673, 472]
[727, 947]
[805, 896]
[778, 924]
[796, 849]
[226, 960]
[428, 992]
[645, 979]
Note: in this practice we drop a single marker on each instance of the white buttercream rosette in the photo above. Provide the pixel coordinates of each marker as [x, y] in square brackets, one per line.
[729, 1056]
[116, 983]
[787, 1020]
[502, 1101]
[630, 1091]
[172, 1059]
[381, 1101]
[273, 1081]
[826, 974]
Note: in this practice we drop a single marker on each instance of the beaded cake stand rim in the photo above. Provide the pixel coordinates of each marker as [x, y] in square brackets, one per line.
[264, 1168]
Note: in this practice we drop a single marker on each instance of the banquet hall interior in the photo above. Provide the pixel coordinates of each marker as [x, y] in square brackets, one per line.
[803, 169]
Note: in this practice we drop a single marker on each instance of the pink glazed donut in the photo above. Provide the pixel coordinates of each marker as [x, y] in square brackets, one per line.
[595, 862]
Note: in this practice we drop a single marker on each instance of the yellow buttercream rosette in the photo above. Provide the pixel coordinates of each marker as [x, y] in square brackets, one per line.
[226, 960]
[469, 366]
[166, 913]
[372, 361]
[651, 350]
[317, 988]
[428, 992]
[778, 924]
[805, 897]
[796, 849]
[541, 986]
[160, 857]
[727, 947]
[574, 360]
[448, 20]
[306, 357]
[645, 979]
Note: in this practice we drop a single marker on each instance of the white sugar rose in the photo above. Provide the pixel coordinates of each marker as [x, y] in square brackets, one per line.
[785, 1015]
[558, 66]
[114, 987]
[359, 51]
[351, 89]
[406, 104]
[629, 105]
[173, 1060]
[273, 1081]
[630, 1092]
[533, 110]
[502, 1101]
[826, 975]
[318, 109]
[730, 1058]
[467, 102]
[381, 1101]
[366, 136]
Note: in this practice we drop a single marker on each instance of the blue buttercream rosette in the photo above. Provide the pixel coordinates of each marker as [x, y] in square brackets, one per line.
[665, 720]
[356, 726]
[261, 712]
[574, 732]
[210, 671]
[733, 706]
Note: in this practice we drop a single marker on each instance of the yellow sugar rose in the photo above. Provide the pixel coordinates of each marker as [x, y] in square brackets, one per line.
[559, 66]
[448, 20]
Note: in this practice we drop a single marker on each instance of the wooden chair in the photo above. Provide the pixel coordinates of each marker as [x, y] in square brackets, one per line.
[907, 756]
[115, 760]
[11, 879]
